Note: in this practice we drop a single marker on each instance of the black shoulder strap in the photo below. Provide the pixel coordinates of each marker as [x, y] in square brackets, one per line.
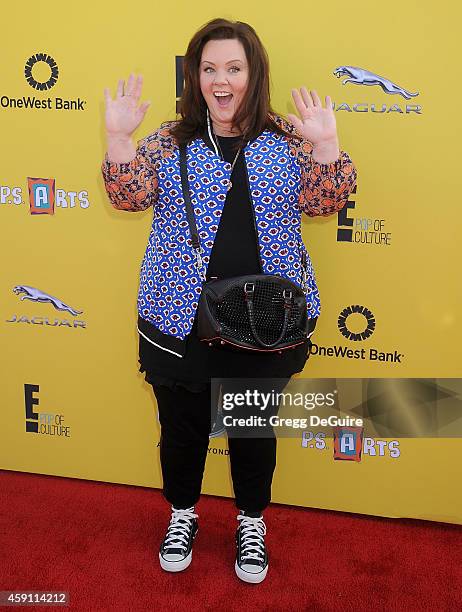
[187, 200]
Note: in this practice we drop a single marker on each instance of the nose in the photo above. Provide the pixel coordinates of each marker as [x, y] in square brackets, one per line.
[220, 77]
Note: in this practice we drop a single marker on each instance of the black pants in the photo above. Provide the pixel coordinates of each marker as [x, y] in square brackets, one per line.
[186, 422]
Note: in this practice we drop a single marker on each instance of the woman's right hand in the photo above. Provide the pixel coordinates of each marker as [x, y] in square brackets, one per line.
[123, 114]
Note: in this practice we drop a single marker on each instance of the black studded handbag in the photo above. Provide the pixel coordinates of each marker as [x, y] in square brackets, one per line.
[256, 312]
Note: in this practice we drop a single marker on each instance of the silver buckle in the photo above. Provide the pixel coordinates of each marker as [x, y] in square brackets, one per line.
[199, 261]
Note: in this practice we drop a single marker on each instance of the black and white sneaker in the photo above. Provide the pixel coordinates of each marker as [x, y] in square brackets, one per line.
[175, 552]
[251, 556]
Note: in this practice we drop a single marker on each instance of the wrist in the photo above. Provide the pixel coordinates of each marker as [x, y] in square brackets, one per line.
[327, 151]
[120, 139]
[120, 148]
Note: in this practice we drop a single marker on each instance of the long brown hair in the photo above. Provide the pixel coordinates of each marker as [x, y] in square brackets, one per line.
[254, 114]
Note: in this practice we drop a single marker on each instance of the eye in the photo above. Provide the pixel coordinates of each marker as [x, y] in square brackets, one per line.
[233, 69]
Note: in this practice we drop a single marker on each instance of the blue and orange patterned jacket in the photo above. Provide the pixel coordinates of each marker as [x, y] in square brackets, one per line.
[284, 182]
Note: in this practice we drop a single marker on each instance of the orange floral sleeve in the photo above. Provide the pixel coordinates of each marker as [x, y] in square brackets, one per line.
[132, 186]
[325, 188]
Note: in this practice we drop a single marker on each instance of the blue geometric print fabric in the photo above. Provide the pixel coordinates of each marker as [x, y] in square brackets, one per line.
[284, 181]
[169, 284]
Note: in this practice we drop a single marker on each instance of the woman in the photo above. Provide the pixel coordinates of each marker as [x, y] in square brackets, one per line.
[251, 175]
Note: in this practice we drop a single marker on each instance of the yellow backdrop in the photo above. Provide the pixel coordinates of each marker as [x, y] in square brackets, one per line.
[392, 252]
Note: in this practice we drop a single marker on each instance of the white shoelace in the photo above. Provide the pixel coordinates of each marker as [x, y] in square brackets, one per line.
[252, 532]
[179, 528]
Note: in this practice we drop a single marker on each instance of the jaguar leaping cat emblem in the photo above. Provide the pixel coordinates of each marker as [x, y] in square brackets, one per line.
[360, 76]
[35, 295]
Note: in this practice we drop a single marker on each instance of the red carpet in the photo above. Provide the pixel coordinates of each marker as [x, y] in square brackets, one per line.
[100, 542]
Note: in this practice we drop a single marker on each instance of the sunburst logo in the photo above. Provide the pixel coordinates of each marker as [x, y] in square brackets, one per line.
[39, 58]
[369, 323]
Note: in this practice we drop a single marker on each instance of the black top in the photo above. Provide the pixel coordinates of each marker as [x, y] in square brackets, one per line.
[234, 253]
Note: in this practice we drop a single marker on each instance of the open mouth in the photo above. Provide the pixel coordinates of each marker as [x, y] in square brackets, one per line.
[223, 99]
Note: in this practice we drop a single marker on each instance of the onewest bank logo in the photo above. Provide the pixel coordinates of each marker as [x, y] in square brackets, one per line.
[41, 73]
[357, 323]
[30, 102]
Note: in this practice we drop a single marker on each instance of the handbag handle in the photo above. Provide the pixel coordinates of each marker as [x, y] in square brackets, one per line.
[198, 250]
[248, 294]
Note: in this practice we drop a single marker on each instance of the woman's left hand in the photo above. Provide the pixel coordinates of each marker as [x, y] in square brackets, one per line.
[316, 124]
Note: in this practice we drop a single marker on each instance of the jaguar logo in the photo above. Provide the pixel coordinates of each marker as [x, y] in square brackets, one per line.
[360, 76]
[35, 295]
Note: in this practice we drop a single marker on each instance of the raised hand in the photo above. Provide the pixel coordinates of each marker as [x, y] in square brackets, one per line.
[124, 114]
[316, 124]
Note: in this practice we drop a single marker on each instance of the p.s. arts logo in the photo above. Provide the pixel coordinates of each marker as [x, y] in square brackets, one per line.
[50, 423]
[350, 444]
[361, 76]
[41, 73]
[44, 198]
[391, 409]
[361, 230]
[26, 292]
[357, 323]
